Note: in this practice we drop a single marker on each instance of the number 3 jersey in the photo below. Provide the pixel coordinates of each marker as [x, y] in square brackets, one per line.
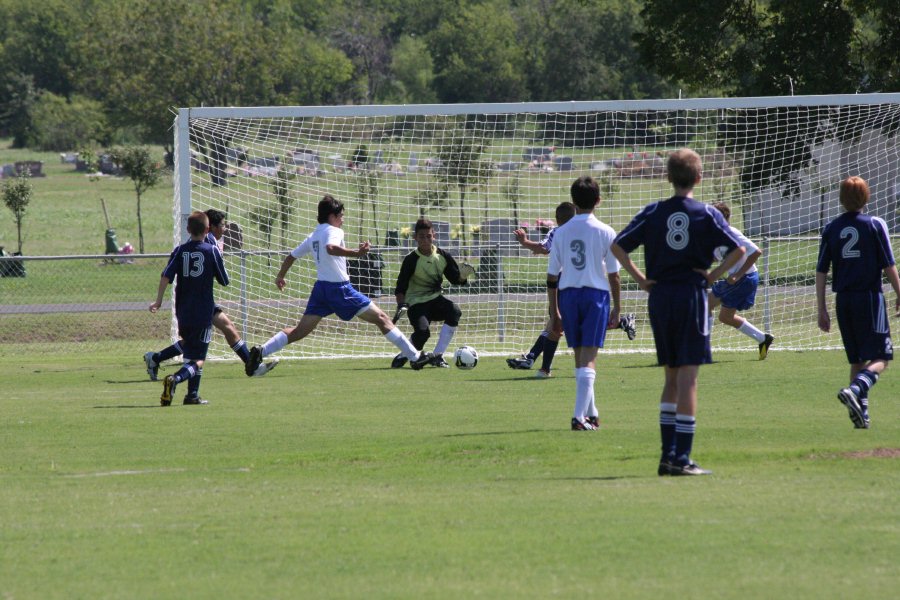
[859, 248]
[580, 253]
[193, 266]
[679, 235]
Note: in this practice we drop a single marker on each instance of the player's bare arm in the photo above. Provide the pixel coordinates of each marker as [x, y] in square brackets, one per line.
[335, 250]
[163, 284]
[535, 247]
[633, 270]
[286, 265]
[748, 264]
[615, 292]
[892, 277]
[729, 261]
[821, 308]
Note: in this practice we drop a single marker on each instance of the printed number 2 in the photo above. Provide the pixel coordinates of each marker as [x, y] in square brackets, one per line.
[579, 260]
[192, 264]
[849, 250]
[678, 237]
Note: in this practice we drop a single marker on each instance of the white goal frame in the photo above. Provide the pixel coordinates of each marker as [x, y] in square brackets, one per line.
[803, 145]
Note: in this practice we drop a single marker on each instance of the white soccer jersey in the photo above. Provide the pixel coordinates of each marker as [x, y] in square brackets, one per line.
[580, 253]
[749, 247]
[328, 267]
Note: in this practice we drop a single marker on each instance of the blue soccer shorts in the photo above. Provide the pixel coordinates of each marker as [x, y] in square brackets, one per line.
[741, 295]
[195, 341]
[678, 318]
[340, 298]
[865, 330]
[585, 312]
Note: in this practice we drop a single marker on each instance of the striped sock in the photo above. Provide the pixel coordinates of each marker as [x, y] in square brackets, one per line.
[685, 425]
[167, 353]
[187, 370]
[194, 383]
[864, 381]
[240, 348]
[667, 427]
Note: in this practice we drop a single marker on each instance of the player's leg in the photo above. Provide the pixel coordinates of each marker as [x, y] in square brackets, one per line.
[154, 359]
[863, 322]
[196, 344]
[526, 361]
[668, 408]
[230, 332]
[551, 344]
[449, 312]
[376, 316]
[685, 420]
[585, 375]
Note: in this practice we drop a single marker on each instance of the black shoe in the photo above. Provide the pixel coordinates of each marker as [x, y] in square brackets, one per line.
[254, 361]
[626, 323]
[595, 421]
[687, 469]
[423, 359]
[849, 399]
[168, 390]
[438, 361]
[399, 361]
[582, 425]
[764, 346]
[189, 399]
[665, 464]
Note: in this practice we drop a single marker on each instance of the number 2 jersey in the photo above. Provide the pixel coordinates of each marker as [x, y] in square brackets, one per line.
[193, 266]
[859, 248]
[679, 235]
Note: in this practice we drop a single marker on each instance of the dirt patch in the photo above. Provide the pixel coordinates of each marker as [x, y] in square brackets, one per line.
[876, 453]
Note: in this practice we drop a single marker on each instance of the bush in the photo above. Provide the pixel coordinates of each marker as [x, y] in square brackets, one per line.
[58, 125]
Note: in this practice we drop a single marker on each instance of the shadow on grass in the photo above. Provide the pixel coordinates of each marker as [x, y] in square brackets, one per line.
[133, 406]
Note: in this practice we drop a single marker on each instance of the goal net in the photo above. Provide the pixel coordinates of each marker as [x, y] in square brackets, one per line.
[481, 171]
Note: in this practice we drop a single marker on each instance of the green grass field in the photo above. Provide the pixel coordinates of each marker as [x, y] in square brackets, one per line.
[340, 479]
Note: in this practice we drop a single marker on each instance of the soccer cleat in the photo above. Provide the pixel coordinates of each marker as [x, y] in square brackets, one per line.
[423, 359]
[254, 361]
[595, 421]
[169, 384]
[399, 361]
[189, 400]
[848, 398]
[438, 361]
[665, 464]
[542, 374]
[687, 469]
[764, 346]
[627, 324]
[582, 425]
[152, 367]
[264, 368]
[523, 362]
[866, 421]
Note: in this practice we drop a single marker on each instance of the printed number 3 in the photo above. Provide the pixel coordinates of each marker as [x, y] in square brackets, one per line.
[678, 237]
[578, 260]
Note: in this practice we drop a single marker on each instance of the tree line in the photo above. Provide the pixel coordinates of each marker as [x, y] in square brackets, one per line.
[81, 72]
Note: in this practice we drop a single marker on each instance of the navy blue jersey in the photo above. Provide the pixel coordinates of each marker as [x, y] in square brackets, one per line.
[679, 235]
[195, 265]
[859, 248]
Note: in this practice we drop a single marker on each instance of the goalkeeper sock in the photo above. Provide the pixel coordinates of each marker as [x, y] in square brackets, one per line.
[667, 426]
[538, 346]
[444, 338]
[550, 347]
[167, 353]
[240, 348]
[749, 330]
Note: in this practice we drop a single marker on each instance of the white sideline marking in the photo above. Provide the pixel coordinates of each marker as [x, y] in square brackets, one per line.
[116, 473]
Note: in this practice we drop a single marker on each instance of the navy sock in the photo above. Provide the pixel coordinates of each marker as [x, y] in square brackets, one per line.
[864, 381]
[194, 383]
[667, 428]
[167, 353]
[240, 348]
[685, 425]
[549, 352]
[186, 371]
[538, 347]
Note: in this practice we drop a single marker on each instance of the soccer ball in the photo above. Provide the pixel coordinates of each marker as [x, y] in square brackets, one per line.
[466, 357]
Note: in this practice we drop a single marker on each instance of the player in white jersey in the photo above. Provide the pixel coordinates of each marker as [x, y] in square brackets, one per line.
[582, 279]
[738, 290]
[332, 292]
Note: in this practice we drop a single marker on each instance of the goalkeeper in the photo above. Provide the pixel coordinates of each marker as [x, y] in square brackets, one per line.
[419, 291]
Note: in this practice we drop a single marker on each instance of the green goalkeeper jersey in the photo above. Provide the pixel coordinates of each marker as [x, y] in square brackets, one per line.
[422, 276]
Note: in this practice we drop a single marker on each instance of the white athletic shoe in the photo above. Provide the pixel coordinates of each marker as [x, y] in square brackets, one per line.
[264, 368]
[152, 367]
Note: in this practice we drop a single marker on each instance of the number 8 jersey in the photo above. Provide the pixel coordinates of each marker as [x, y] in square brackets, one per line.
[679, 235]
[580, 253]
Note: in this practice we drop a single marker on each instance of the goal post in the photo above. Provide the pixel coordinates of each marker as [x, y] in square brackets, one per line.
[479, 171]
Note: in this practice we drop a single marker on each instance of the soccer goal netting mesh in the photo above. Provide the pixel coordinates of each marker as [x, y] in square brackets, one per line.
[480, 171]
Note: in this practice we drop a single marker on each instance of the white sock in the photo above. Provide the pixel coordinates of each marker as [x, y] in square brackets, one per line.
[749, 330]
[396, 337]
[584, 391]
[275, 343]
[444, 339]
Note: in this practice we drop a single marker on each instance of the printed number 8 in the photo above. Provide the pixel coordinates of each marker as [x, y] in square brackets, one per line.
[678, 237]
